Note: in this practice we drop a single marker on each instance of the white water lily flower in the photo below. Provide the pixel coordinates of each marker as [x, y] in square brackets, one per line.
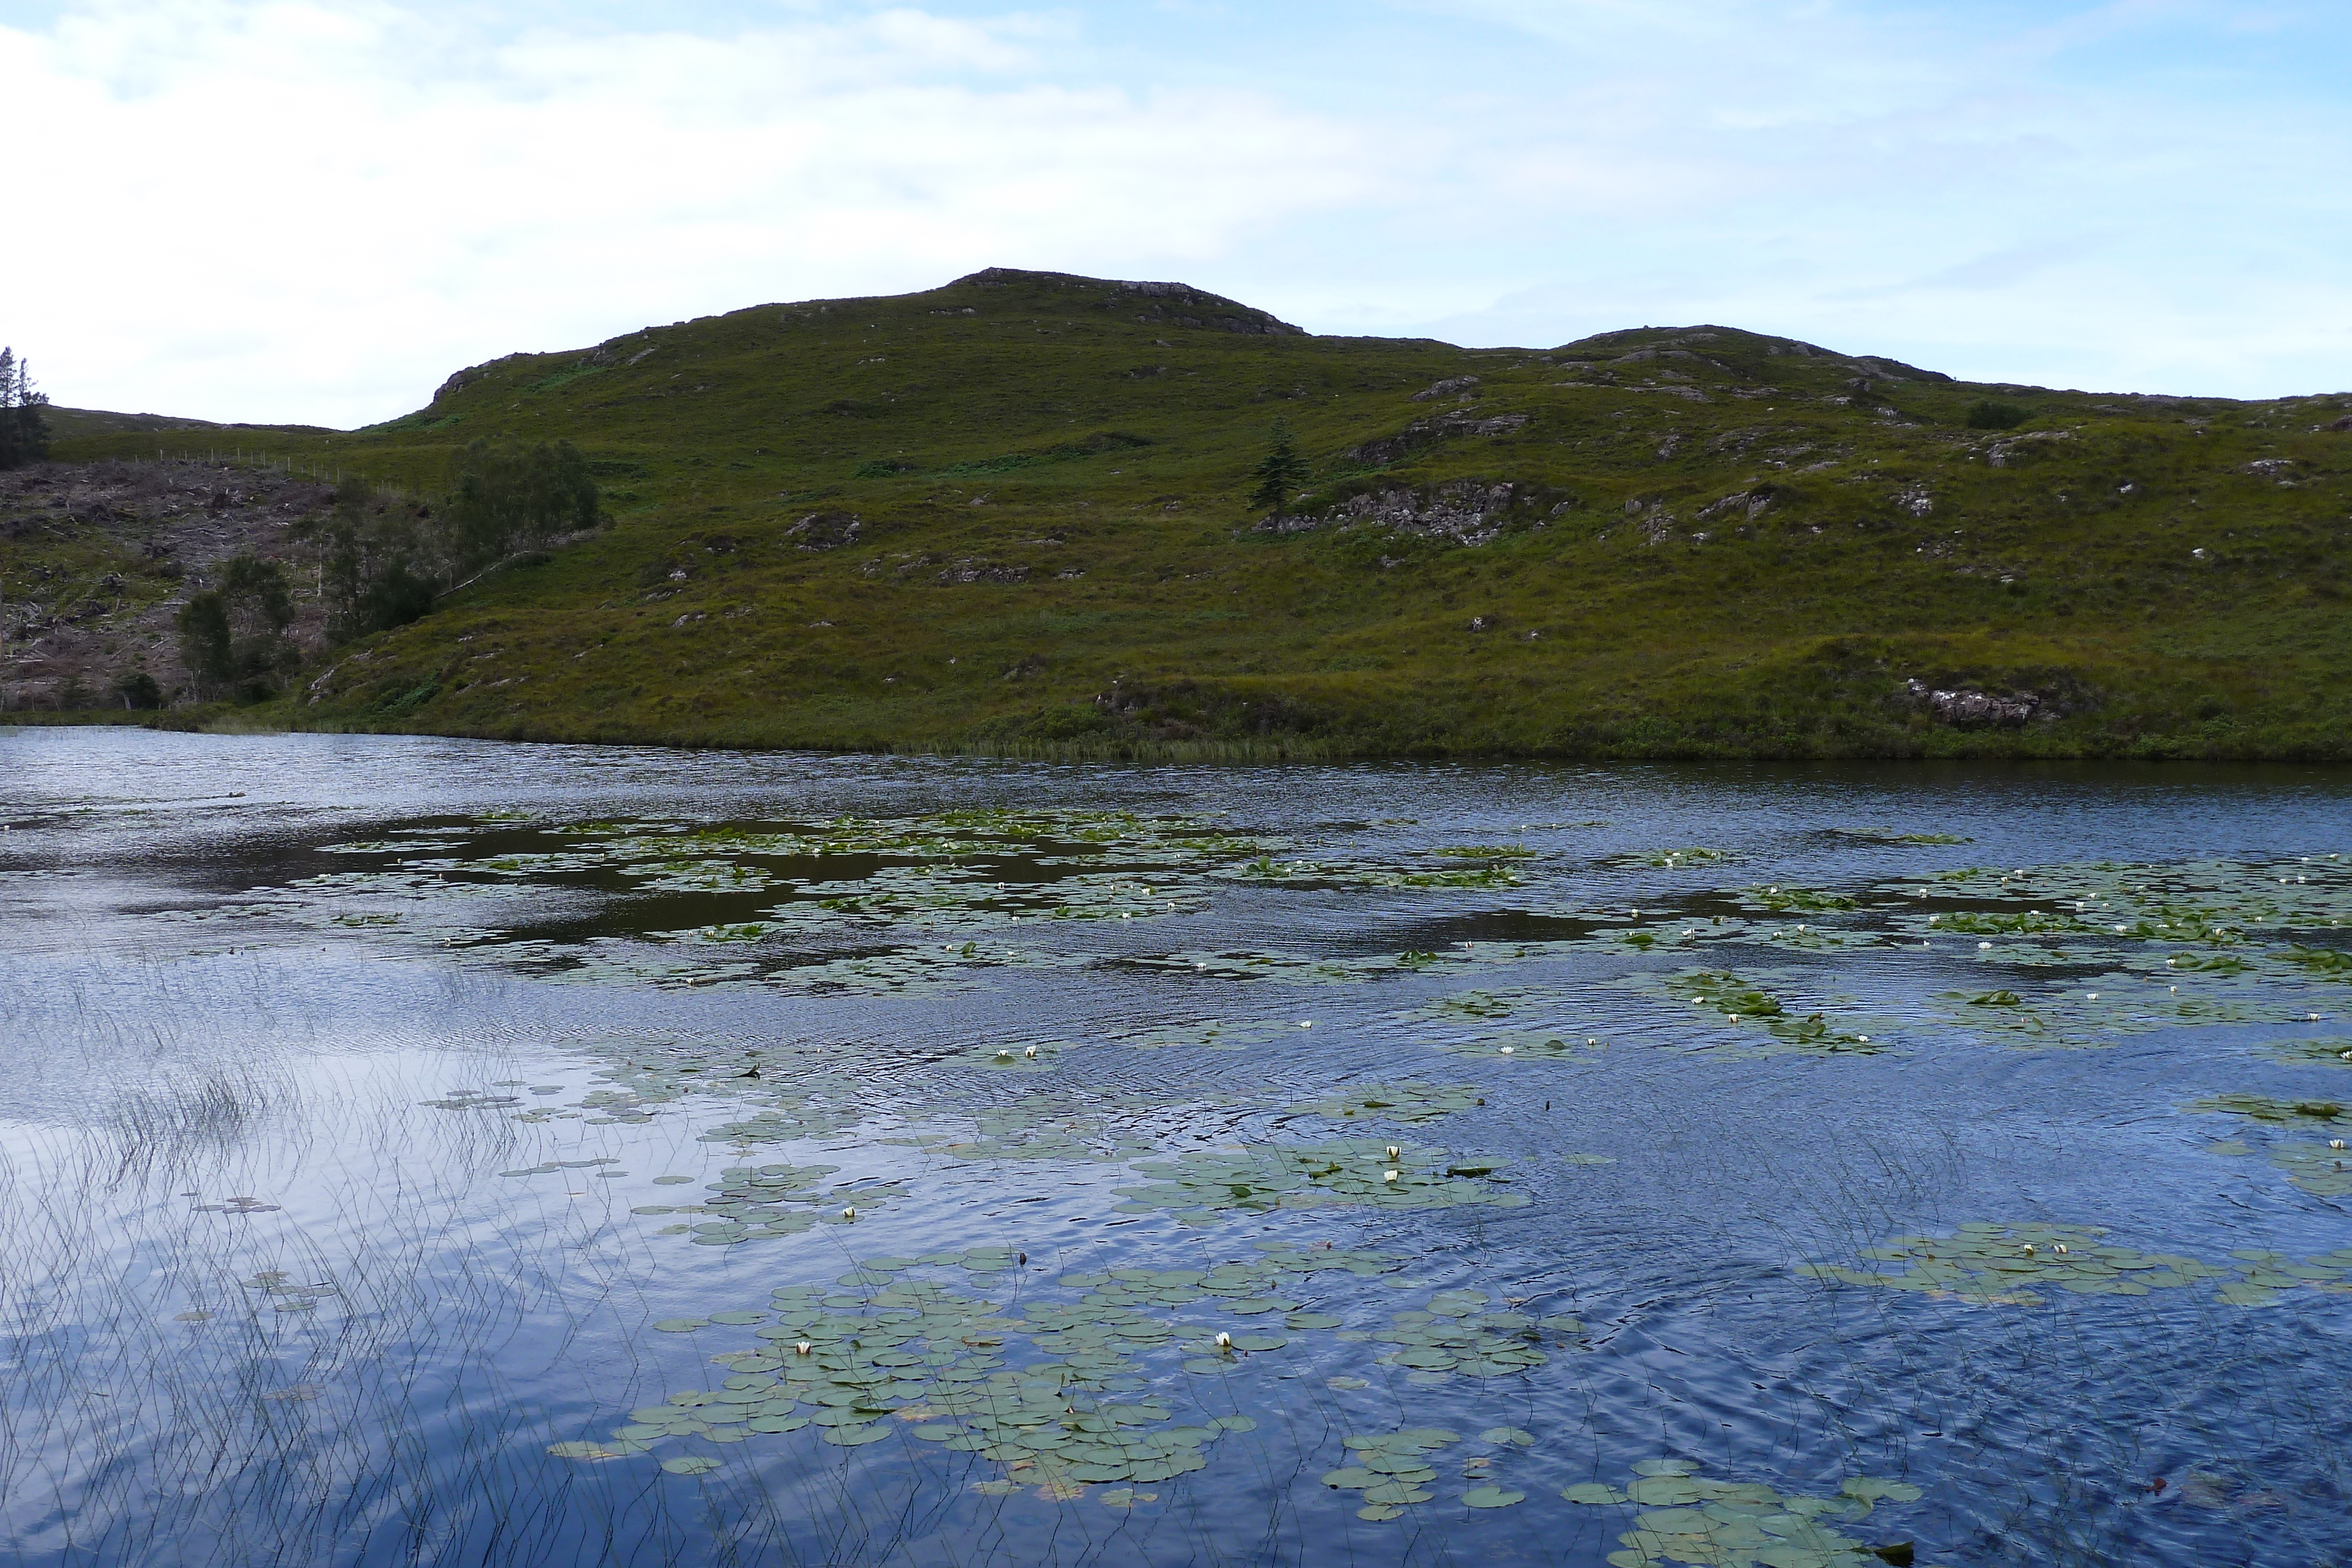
[1391, 1175]
[1031, 1053]
[804, 1348]
[1224, 1340]
[1395, 1152]
[850, 1213]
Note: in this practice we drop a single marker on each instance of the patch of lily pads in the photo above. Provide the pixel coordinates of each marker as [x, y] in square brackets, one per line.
[1990, 1263]
[1395, 1470]
[1670, 935]
[2319, 1169]
[764, 1203]
[1208, 1034]
[1514, 1004]
[2264, 1108]
[2334, 1050]
[1461, 1333]
[1740, 1000]
[1391, 1470]
[1037, 1128]
[2103, 1008]
[1675, 859]
[1038, 1056]
[960, 871]
[1203, 1186]
[1686, 1518]
[1498, 870]
[2206, 902]
[1526, 1045]
[886, 1354]
[1411, 1102]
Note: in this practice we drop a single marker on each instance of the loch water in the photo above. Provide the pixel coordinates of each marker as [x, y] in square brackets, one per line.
[422, 1151]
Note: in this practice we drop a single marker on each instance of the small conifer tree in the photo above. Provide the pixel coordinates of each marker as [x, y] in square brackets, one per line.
[23, 427]
[1281, 471]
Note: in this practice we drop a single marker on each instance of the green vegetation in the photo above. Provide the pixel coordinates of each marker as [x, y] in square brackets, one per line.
[1990, 415]
[1014, 515]
[1280, 471]
[24, 424]
[1985, 1262]
[1690, 1518]
[233, 637]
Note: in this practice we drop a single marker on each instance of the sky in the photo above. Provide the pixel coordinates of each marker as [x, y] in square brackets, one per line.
[314, 211]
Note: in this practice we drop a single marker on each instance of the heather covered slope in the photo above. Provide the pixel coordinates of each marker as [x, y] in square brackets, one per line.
[1011, 513]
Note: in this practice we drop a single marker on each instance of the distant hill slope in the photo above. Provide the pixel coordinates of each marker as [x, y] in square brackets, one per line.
[1009, 513]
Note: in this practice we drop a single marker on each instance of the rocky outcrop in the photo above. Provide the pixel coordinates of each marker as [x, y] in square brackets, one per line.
[1423, 433]
[2003, 453]
[825, 530]
[1181, 305]
[1750, 504]
[463, 379]
[976, 570]
[1973, 709]
[614, 352]
[1470, 512]
[1452, 386]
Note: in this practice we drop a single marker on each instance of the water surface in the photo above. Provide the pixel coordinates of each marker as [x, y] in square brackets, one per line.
[436, 1151]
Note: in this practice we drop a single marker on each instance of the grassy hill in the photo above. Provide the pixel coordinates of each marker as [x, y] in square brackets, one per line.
[1010, 514]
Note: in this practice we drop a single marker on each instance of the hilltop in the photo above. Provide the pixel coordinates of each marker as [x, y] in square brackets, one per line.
[1010, 513]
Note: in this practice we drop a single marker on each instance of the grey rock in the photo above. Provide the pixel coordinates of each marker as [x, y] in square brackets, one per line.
[825, 530]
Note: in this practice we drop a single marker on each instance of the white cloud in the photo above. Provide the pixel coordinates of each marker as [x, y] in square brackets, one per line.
[315, 209]
[314, 213]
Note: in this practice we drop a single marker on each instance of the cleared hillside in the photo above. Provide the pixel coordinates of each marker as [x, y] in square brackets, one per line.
[1009, 513]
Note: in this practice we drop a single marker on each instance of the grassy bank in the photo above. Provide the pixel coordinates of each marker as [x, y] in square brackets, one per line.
[1009, 516]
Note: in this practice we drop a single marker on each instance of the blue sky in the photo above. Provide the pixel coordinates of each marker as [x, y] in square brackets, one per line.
[315, 209]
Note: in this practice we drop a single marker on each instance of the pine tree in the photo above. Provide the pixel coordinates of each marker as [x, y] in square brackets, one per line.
[23, 427]
[1281, 471]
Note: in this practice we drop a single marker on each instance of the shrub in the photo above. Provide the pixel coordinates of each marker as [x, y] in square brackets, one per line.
[1986, 414]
